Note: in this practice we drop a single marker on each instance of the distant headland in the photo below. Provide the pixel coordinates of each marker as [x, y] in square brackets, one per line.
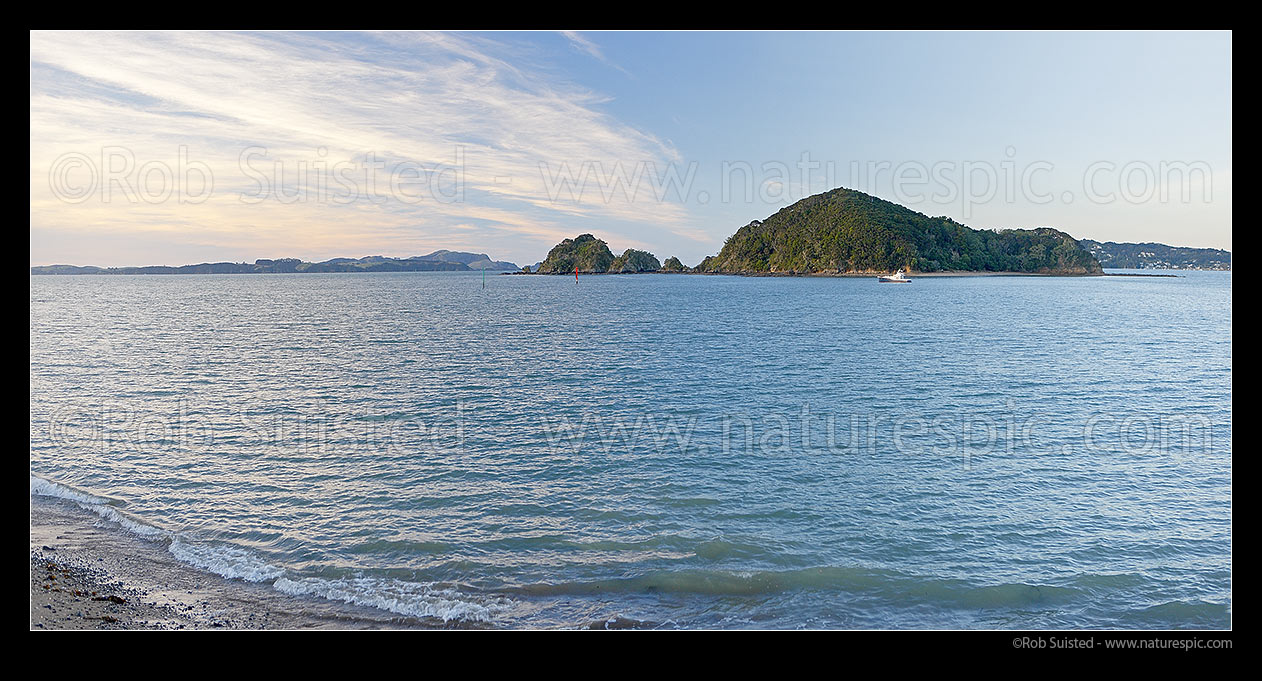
[1153, 256]
[438, 261]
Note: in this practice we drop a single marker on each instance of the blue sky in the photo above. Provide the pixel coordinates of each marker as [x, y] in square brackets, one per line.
[319, 145]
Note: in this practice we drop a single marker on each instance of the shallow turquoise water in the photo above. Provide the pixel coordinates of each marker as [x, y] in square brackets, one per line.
[679, 451]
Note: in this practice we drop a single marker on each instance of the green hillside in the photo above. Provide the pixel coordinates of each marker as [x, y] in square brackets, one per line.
[848, 231]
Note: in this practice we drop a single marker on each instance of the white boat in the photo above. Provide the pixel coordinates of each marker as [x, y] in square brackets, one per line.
[897, 278]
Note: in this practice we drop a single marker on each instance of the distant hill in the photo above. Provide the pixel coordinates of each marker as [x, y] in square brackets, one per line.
[438, 261]
[846, 231]
[1147, 256]
[474, 261]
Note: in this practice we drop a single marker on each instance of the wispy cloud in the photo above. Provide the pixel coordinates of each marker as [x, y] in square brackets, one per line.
[581, 43]
[433, 101]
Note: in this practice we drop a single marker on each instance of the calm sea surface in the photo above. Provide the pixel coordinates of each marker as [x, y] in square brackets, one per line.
[673, 451]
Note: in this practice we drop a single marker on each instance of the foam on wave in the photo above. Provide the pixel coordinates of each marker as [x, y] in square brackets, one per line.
[105, 507]
[48, 488]
[411, 599]
[225, 560]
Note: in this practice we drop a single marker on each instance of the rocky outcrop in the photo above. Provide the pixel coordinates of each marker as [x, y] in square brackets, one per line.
[672, 265]
[632, 260]
[585, 253]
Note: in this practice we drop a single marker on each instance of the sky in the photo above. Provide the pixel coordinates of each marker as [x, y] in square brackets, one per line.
[173, 148]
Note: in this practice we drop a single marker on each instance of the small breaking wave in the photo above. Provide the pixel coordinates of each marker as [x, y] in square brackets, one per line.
[233, 562]
[48, 488]
[411, 599]
[107, 508]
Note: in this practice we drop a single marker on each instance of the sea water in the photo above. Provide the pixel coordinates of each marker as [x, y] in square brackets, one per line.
[659, 450]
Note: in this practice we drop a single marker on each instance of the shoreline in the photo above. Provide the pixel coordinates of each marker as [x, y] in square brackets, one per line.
[87, 573]
[837, 275]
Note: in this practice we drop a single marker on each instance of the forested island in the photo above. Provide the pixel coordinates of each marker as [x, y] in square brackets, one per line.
[845, 231]
[848, 232]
